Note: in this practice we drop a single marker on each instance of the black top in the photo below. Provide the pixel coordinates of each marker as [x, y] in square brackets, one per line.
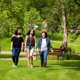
[63, 48]
[17, 41]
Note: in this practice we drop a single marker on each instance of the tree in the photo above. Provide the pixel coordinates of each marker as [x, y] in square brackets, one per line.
[52, 18]
[2, 26]
[32, 17]
[77, 2]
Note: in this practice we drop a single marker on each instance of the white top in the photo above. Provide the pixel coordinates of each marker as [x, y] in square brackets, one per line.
[43, 45]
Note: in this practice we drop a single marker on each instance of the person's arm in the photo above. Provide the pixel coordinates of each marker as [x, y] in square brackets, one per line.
[25, 42]
[12, 41]
[22, 46]
[38, 45]
[50, 46]
[13, 35]
[35, 42]
[11, 46]
[21, 35]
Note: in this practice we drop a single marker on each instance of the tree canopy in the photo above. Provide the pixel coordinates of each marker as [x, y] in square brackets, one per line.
[27, 13]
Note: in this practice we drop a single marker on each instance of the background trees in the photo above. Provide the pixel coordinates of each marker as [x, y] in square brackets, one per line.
[27, 13]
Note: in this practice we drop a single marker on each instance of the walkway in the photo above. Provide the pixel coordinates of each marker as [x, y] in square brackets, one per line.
[10, 52]
[20, 58]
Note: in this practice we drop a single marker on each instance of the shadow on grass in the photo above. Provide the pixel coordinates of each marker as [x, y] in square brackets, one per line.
[5, 55]
[27, 66]
[75, 65]
[10, 55]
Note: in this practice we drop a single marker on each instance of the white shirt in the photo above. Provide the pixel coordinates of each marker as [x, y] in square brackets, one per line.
[43, 45]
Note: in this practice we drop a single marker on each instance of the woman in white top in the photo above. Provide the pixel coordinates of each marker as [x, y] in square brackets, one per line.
[43, 46]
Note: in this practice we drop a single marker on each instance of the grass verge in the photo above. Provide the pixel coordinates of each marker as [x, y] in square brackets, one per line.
[57, 70]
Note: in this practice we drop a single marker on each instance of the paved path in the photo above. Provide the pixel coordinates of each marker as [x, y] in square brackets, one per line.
[10, 52]
[20, 58]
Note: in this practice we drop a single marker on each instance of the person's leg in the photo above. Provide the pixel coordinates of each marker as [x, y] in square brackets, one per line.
[13, 56]
[31, 53]
[41, 58]
[28, 57]
[45, 53]
[17, 55]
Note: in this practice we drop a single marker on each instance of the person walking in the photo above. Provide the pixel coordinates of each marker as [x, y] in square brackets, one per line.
[16, 46]
[30, 44]
[43, 46]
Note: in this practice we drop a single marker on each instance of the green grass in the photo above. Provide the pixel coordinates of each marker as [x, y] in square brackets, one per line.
[6, 44]
[10, 55]
[76, 41]
[57, 70]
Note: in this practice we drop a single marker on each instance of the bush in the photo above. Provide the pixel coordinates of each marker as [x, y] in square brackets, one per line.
[65, 57]
[71, 57]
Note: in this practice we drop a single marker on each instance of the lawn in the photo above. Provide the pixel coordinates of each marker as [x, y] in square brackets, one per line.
[10, 55]
[56, 70]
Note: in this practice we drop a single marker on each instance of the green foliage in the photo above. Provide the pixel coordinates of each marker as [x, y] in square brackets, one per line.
[71, 57]
[72, 12]
[26, 13]
[65, 57]
[32, 17]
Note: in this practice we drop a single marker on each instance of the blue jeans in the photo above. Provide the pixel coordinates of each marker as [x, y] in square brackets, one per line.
[30, 47]
[15, 54]
[43, 56]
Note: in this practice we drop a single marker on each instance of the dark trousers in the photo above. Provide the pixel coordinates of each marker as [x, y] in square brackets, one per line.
[15, 54]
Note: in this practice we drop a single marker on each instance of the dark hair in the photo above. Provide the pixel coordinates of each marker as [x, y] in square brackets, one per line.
[16, 31]
[30, 31]
[45, 34]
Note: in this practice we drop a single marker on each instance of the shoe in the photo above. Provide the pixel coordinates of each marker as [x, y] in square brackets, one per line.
[41, 64]
[28, 66]
[13, 64]
[44, 65]
[31, 65]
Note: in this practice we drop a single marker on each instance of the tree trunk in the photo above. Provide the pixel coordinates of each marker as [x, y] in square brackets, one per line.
[64, 25]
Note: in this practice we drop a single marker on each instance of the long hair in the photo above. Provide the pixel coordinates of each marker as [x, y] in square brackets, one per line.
[16, 31]
[30, 31]
[45, 34]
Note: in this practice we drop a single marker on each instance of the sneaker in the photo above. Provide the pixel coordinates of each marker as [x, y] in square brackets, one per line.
[31, 65]
[28, 66]
[13, 64]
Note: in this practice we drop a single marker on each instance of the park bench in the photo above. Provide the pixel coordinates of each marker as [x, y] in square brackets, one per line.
[69, 50]
[57, 51]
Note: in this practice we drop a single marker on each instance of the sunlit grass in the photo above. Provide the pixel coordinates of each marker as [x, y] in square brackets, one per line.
[56, 70]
